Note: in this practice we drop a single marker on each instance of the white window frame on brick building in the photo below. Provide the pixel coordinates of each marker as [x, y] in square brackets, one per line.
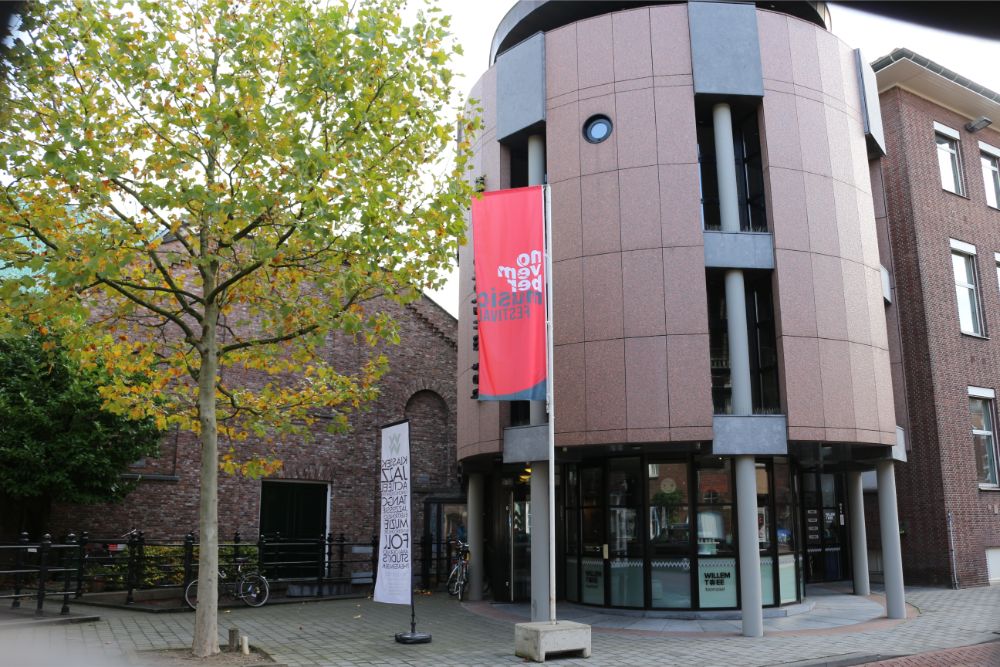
[970, 318]
[990, 158]
[949, 154]
[984, 443]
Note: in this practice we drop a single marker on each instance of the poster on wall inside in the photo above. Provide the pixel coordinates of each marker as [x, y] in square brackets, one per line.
[393, 583]
[508, 238]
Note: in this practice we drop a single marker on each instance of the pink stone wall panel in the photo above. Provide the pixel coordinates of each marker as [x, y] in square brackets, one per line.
[605, 385]
[839, 140]
[601, 225]
[602, 278]
[805, 64]
[830, 72]
[849, 73]
[676, 134]
[803, 387]
[640, 208]
[787, 210]
[646, 376]
[870, 254]
[642, 286]
[848, 225]
[866, 411]
[632, 55]
[828, 286]
[567, 301]
[684, 290]
[838, 398]
[636, 124]
[689, 383]
[570, 387]
[795, 299]
[671, 44]
[680, 206]
[821, 209]
[857, 303]
[812, 136]
[562, 142]
[489, 420]
[597, 158]
[775, 56]
[783, 146]
[567, 233]
[560, 61]
[876, 304]
[883, 388]
[595, 51]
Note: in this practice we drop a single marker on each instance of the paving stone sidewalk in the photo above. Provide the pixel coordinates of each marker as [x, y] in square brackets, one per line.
[360, 632]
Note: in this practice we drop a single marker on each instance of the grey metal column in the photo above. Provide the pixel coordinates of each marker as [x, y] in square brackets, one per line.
[475, 508]
[540, 536]
[859, 533]
[536, 176]
[892, 553]
[739, 369]
[539, 469]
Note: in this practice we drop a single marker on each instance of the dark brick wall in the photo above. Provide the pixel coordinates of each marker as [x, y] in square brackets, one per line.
[939, 362]
[420, 385]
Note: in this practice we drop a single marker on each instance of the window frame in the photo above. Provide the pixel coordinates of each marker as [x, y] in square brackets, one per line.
[988, 398]
[968, 252]
[991, 181]
[954, 140]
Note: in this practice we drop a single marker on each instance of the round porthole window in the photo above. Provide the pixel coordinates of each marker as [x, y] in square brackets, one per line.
[597, 129]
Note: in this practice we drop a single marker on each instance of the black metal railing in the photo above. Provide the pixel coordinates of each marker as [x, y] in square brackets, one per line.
[130, 562]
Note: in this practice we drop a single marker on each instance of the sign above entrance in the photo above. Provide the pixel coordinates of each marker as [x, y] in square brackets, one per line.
[508, 233]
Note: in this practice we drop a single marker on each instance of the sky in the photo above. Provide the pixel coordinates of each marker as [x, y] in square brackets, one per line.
[474, 21]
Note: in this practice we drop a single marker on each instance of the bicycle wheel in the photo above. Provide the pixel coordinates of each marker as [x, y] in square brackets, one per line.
[191, 594]
[463, 583]
[254, 590]
[453, 581]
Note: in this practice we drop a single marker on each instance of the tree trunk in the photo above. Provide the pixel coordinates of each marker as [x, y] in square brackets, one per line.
[206, 621]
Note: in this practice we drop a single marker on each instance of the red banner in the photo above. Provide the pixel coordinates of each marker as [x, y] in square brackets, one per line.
[508, 233]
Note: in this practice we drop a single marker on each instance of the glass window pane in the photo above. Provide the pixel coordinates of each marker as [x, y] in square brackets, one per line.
[670, 580]
[991, 179]
[968, 309]
[714, 482]
[717, 582]
[669, 517]
[786, 577]
[767, 580]
[715, 529]
[623, 482]
[829, 492]
[962, 266]
[590, 487]
[986, 463]
[948, 164]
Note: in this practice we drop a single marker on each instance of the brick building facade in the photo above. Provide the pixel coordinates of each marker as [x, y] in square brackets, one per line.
[419, 386]
[937, 219]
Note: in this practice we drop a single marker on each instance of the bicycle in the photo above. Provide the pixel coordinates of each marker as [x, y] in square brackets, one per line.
[458, 580]
[250, 587]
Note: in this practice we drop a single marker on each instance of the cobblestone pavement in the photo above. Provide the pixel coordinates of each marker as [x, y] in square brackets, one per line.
[360, 632]
[981, 655]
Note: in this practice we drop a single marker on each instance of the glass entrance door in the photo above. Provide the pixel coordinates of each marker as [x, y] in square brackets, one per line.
[592, 540]
[825, 527]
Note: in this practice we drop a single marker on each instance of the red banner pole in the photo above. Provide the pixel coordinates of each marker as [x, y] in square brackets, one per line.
[550, 402]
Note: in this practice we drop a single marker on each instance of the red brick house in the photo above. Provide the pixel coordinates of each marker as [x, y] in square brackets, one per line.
[328, 484]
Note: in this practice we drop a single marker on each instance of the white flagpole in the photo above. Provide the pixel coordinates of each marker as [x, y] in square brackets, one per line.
[550, 402]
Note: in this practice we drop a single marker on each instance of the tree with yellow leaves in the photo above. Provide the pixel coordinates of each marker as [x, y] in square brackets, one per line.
[202, 184]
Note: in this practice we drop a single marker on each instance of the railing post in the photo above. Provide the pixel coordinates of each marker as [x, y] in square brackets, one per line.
[67, 556]
[374, 559]
[425, 561]
[236, 547]
[278, 568]
[328, 560]
[130, 572]
[43, 571]
[81, 563]
[340, 556]
[140, 561]
[188, 559]
[261, 542]
[18, 566]
[320, 565]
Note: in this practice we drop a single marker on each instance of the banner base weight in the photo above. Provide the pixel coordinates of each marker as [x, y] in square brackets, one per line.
[413, 638]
